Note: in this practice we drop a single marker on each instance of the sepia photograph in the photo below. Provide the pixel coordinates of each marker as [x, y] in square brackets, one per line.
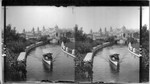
[89, 44]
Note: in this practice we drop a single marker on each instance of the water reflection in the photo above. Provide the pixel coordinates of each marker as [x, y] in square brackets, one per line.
[114, 69]
[114, 75]
[47, 68]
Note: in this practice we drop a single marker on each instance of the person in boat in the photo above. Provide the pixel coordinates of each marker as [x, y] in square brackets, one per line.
[115, 57]
[48, 56]
[51, 58]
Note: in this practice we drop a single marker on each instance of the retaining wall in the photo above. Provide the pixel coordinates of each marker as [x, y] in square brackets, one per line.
[32, 46]
[98, 47]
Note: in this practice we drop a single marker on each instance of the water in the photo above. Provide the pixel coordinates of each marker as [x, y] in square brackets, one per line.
[129, 66]
[63, 66]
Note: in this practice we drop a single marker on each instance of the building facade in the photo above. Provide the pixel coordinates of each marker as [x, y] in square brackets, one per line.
[53, 34]
[120, 33]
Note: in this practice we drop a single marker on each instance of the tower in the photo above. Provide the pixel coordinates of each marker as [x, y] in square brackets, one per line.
[105, 30]
[91, 31]
[33, 30]
[100, 30]
[43, 28]
[111, 29]
[38, 30]
[24, 31]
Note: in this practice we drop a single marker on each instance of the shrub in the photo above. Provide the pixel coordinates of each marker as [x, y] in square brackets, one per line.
[16, 46]
[64, 39]
[97, 42]
[11, 72]
[83, 47]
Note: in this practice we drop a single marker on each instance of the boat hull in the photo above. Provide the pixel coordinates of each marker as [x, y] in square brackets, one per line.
[114, 65]
[47, 64]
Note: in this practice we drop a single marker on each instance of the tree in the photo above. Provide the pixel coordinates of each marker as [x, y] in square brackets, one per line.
[68, 34]
[11, 34]
[111, 39]
[44, 38]
[79, 36]
[64, 39]
[13, 40]
[145, 54]
[14, 45]
[145, 37]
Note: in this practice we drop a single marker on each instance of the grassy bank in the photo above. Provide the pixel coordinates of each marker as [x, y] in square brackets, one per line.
[70, 45]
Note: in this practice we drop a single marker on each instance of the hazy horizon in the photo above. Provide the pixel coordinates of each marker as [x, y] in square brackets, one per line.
[66, 17]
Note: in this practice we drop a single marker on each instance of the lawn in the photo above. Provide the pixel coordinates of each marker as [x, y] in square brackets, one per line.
[70, 45]
[135, 45]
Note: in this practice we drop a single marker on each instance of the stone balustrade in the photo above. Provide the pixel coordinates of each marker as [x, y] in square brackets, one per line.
[133, 50]
[66, 50]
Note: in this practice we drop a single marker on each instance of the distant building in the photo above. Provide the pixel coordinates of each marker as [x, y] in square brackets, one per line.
[90, 36]
[120, 33]
[68, 33]
[54, 34]
[22, 35]
[98, 35]
[31, 34]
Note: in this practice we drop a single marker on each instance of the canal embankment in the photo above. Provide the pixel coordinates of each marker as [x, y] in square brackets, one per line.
[83, 66]
[33, 46]
[97, 49]
[67, 50]
[101, 46]
[134, 50]
[21, 60]
[29, 48]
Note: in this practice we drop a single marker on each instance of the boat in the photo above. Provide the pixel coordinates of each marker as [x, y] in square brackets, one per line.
[88, 57]
[47, 60]
[114, 61]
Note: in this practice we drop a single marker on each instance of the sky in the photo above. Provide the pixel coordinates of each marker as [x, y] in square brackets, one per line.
[27, 17]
